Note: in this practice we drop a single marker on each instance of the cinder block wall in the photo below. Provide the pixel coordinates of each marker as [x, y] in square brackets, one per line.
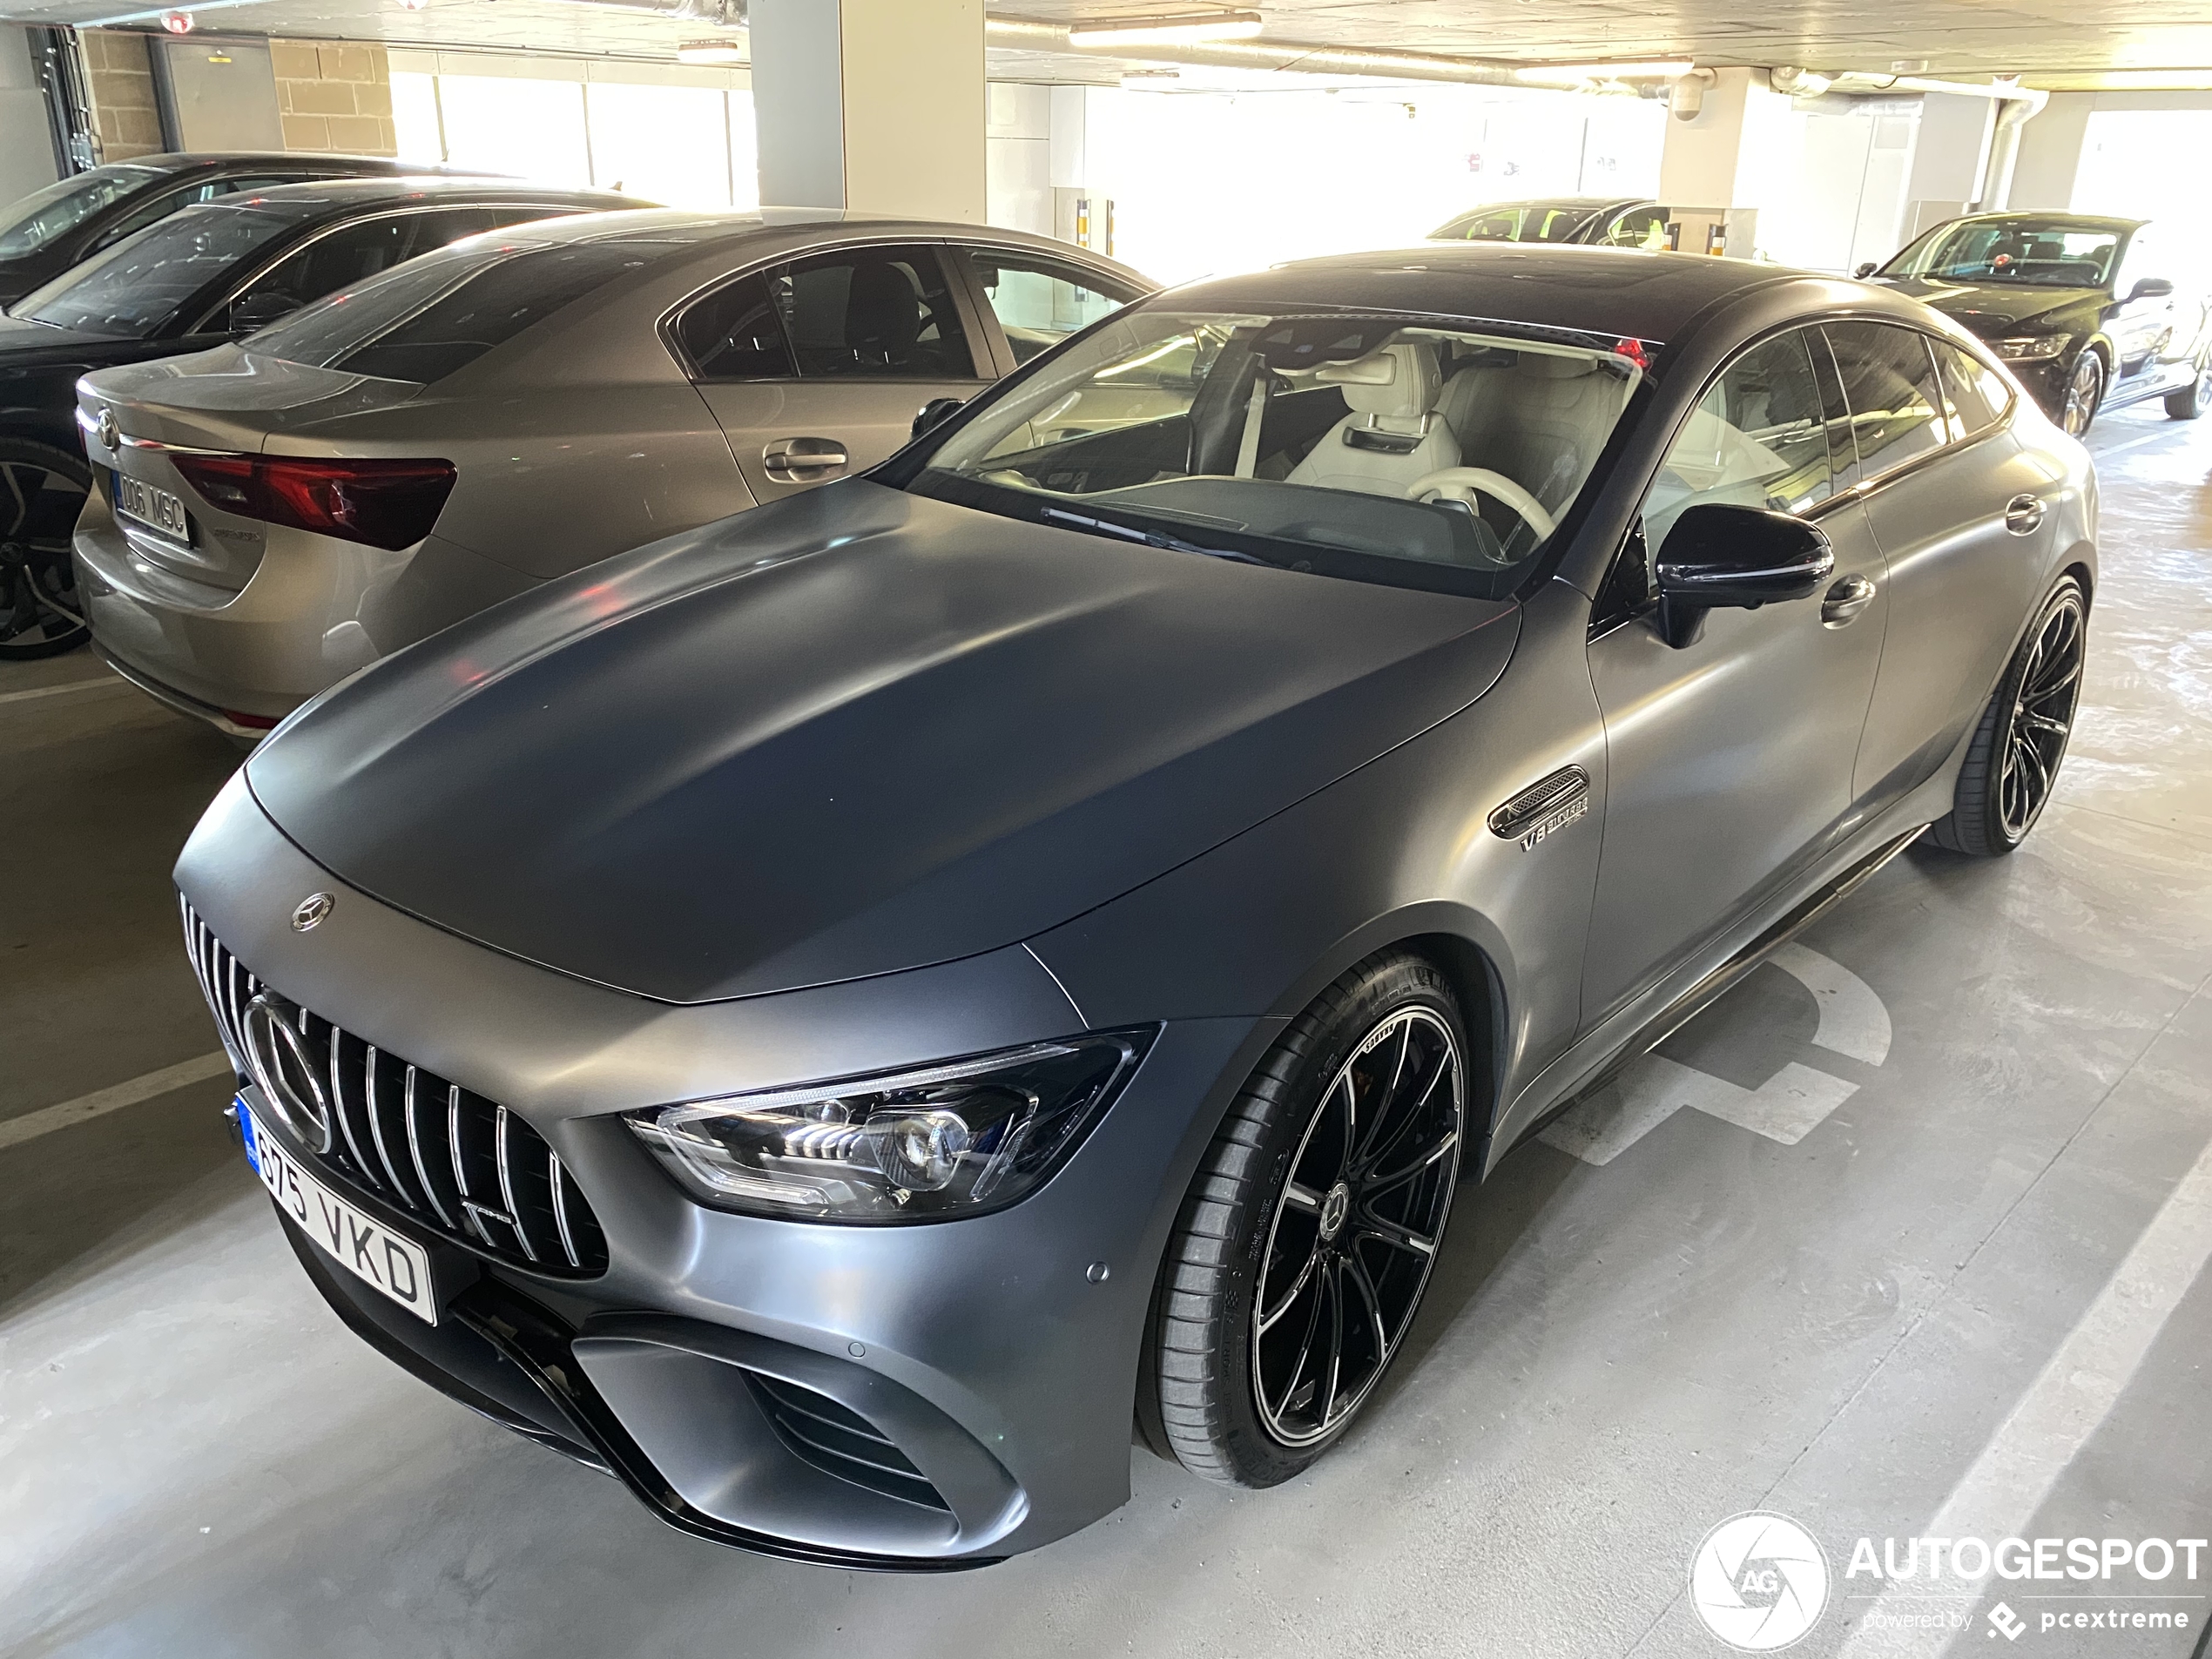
[124, 114]
[334, 98]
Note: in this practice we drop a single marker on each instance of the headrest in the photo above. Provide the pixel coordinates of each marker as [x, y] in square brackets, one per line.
[1397, 382]
[881, 315]
[1548, 366]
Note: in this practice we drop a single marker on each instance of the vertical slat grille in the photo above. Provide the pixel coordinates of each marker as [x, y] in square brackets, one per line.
[461, 1163]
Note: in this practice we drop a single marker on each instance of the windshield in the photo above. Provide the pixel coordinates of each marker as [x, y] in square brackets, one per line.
[129, 292]
[1518, 222]
[423, 320]
[2039, 252]
[1413, 451]
[44, 215]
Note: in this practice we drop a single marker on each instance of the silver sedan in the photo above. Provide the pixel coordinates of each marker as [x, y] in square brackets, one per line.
[280, 513]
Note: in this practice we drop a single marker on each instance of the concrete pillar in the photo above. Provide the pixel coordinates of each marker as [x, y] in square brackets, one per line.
[26, 142]
[1083, 211]
[1950, 155]
[1737, 155]
[876, 107]
[2050, 153]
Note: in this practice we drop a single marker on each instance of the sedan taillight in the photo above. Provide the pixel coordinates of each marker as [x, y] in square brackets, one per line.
[381, 504]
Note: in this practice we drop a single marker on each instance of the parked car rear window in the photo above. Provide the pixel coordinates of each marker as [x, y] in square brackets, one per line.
[130, 290]
[61, 207]
[422, 320]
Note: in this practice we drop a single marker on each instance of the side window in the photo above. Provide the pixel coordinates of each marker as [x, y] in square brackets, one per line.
[146, 213]
[1644, 227]
[1485, 227]
[1976, 393]
[1039, 302]
[872, 314]
[1758, 438]
[332, 262]
[734, 334]
[1889, 383]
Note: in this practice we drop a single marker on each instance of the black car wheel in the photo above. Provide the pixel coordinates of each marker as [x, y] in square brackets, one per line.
[1303, 1249]
[2013, 760]
[2084, 390]
[2194, 398]
[42, 490]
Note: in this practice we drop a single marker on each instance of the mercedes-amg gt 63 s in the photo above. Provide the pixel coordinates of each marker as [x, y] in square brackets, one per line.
[831, 1016]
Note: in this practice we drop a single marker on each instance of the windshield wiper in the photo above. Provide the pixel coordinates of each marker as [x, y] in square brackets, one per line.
[1150, 539]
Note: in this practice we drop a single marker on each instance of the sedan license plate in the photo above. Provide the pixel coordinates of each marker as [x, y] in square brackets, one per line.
[362, 1245]
[157, 509]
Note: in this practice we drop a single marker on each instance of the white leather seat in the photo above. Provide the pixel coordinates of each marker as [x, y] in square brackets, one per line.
[1540, 419]
[1393, 434]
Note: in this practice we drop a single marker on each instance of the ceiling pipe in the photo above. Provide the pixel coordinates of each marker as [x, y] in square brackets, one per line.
[1022, 34]
[721, 14]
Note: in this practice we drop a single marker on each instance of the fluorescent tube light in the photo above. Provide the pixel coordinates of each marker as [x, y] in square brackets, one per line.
[1177, 31]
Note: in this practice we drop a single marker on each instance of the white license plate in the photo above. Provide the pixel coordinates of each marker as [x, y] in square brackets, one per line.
[362, 1245]
[156, 508]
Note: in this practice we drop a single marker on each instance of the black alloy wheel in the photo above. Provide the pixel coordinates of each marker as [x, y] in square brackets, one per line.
[2012, 764]
[2084, 390]
[42, 490]
[1310, 1234]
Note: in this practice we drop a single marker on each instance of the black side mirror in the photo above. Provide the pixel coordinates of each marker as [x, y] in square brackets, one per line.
[1721, 556]
[2151, 288]
[935, 412]
[258, 311]
[1866, 270]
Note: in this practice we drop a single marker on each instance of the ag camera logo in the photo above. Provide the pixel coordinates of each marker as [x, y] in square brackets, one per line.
[1759, 1581]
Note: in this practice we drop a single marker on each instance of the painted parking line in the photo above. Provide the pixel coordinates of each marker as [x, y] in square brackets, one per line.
[1787, 1107]
[2063, 1408]
[106, 683]
[15, 1130]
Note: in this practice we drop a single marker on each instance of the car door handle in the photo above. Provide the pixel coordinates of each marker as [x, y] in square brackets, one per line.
[1845, 600]
[2024, 515]
[803, 460]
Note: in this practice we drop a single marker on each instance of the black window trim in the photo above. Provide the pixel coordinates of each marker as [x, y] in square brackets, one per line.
[955, 281]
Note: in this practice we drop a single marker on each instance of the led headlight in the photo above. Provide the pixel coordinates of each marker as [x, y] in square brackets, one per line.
[2031, 349]
[923, 1144]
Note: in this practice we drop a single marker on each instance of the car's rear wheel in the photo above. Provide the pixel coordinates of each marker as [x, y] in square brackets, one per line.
[42, 490]
[2194, 398]
[1301, 1253]
[2084, 390]
[2013, 763]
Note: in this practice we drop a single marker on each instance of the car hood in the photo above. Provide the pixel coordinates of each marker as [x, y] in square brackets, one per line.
[33, 345]
[1991, 309]
[854, 731]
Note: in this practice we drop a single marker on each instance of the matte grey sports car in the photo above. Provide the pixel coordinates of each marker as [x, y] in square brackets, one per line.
[830, 1017]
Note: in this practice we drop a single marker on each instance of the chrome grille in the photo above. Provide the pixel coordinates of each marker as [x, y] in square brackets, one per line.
[461, 1164]
[838, 1440]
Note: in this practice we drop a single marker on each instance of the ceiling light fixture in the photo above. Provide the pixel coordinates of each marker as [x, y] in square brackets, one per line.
[1180, 29]
[720, 53]
[1657, 69]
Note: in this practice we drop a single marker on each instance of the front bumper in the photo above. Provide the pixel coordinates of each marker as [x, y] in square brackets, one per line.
[982, 1350]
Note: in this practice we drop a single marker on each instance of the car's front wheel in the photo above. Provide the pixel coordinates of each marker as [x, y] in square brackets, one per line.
[2012, 764]
[2084, 390]
[1302, 1252]
[2194, 398]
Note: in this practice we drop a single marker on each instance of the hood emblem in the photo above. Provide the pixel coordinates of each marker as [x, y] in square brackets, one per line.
[1544, 808]
[307, 915]
[110, 433]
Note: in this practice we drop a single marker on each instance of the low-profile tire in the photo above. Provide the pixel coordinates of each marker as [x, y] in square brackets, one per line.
[2085, 393]
[42, 490]
[2013, 763]
[2194, 398]
[1326, 1188]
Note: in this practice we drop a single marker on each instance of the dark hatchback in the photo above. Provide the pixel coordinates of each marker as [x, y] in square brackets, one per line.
[202, 276]
[2090, 314]
[45, 233]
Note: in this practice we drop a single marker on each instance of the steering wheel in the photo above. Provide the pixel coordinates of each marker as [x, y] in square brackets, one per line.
[1464, 483]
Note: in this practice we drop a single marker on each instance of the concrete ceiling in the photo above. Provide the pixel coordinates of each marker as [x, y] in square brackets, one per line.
[2054, 41]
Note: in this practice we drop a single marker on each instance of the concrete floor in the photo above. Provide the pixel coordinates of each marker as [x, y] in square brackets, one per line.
[195, 1459]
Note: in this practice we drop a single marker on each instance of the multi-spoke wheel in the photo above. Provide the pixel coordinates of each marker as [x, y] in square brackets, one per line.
[1301, 1253]
[2013, 760]
[2084, 390]
[42, 490]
